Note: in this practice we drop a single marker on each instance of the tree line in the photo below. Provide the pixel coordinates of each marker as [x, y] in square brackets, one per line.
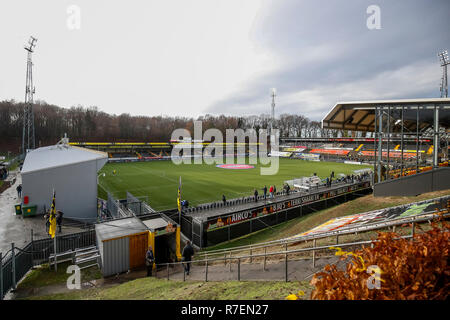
[89, 124]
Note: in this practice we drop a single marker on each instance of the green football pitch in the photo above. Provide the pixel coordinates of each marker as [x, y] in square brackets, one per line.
[201, 183]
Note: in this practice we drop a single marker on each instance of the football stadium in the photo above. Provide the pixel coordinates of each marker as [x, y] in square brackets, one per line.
[338, 195]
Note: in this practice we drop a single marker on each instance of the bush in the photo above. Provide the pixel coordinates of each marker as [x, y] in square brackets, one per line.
[408, 269]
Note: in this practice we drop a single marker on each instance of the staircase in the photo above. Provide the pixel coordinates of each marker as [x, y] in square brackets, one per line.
[87, 258]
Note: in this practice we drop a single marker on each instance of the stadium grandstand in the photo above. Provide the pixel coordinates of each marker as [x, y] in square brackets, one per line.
[410, 137]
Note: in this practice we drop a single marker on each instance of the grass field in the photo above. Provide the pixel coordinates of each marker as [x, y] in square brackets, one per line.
[203, 183]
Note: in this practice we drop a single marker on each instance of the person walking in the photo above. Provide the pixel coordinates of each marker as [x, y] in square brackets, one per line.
[256, 195]
[59, 218]
[19, 191]
[149, 259]
[187, 254]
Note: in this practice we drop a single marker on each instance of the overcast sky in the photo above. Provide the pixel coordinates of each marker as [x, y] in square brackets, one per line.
[191, 57]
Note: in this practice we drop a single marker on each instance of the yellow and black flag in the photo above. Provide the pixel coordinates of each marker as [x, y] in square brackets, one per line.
[179, 197]
[52, 218]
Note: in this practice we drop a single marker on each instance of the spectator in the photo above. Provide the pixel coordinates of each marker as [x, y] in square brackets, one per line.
[328, 182]
[59, 218]
[149, 259]
[19, 191]
[224, 199]
[256, 195]
[274, 190]
[47, 222]
[187, 254]
[271, 192]
[265, 192]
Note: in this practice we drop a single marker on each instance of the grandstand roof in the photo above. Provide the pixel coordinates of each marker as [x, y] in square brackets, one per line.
[58, 156]
[360, 115]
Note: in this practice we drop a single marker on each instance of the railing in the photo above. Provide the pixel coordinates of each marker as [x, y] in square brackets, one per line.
[343, 231]
[16, 262]
[250, 199]
[251, 257]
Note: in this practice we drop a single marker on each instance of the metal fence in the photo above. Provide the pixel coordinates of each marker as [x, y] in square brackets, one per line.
[139, 205]
[15, 264]
[112, 207]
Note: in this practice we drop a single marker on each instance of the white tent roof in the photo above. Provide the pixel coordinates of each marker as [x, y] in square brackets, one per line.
[58, 156]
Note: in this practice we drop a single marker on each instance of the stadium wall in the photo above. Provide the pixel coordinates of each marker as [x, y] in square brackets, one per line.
[429, 181]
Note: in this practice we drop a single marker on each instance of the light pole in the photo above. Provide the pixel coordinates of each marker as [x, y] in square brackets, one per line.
[443, 56]
[273, 95]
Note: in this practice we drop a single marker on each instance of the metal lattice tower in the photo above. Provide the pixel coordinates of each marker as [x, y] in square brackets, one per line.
[28, 139]
[443, 56]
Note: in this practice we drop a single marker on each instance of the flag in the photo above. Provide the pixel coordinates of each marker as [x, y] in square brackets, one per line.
[179, 197]
[52, 218]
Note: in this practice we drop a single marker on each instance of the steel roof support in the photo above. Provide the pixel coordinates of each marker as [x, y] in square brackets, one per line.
[436, 137]
[417, 140]
[380, 139]
[401, 142]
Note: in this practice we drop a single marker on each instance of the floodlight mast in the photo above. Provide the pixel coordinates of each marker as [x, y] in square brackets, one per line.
[273, 94]
[445, 61]
[28, 138]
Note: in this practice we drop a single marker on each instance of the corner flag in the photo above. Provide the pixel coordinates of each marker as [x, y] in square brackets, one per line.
[52, 218]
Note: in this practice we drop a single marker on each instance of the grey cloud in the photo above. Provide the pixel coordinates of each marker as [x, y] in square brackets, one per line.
[412, 31]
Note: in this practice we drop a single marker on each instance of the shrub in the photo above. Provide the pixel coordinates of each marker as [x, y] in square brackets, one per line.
[415, 269]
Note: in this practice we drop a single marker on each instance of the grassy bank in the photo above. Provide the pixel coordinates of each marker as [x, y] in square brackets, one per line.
[44, 276]
[161, 289]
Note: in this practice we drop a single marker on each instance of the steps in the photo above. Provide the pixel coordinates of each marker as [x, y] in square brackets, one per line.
[87, 258]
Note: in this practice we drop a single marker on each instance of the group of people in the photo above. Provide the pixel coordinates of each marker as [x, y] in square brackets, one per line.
[59, 219]
[187, 254]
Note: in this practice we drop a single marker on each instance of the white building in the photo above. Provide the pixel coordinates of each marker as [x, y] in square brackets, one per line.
[71, 172]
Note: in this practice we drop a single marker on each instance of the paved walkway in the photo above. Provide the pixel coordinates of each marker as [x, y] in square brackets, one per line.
[298, 270]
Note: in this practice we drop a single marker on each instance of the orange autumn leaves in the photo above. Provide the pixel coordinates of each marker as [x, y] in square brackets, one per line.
[409, 269]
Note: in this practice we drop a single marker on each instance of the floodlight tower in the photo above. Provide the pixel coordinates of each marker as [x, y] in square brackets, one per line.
[273, 94]
[28, 139]
[443, 56]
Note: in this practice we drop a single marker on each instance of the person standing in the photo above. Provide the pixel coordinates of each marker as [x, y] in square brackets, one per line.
[19, 191]
[187, 254]
[149, 259]
[59, 218]
[256, 195]
[265, 192]
[47, 222]
[271, 192]
[224, 199]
